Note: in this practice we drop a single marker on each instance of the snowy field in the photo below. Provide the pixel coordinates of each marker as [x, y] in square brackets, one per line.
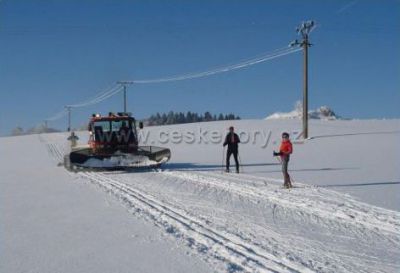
[341, 216]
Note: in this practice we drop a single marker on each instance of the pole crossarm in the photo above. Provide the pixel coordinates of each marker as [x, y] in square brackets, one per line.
[125, 82]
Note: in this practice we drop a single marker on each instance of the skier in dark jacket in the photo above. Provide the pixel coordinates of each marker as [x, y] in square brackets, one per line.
[232, 141]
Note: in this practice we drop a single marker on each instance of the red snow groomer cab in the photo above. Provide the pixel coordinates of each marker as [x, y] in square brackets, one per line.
[113, 132]
[113, 144]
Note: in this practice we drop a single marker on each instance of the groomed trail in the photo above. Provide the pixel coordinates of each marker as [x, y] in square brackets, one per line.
[242, 222]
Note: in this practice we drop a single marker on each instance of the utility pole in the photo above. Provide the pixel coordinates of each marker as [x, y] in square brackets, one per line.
[69, 117]
[125, 85]
[45, 123]
[304, 30]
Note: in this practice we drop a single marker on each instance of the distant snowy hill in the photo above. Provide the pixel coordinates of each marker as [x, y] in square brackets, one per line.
[323, 113]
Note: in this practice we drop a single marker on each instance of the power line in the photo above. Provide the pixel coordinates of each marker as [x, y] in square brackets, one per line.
[119, 87]
[243, 64]
[98, 98]
[57, 116]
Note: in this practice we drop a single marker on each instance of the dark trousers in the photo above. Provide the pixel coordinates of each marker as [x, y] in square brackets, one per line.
[228, 159]
[286, 177]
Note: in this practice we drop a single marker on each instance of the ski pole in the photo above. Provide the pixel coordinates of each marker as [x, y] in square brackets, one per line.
[223, 157]
[240, 163]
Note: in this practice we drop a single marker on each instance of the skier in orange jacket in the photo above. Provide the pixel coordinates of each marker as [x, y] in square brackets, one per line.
[285, 151]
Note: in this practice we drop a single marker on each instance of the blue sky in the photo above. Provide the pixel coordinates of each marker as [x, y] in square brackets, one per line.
[55, 53]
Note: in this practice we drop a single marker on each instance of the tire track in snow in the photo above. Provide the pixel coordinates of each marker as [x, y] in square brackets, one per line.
[378, 217]
[225, 247]
[375, 217]
[53, 148]
[199, 234]
[363, 231]
[316, 204]
[318, 255]
[270, 241]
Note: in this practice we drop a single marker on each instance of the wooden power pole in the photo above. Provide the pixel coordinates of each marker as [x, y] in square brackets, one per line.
[69, 117]
[304, 30]
[124, 85]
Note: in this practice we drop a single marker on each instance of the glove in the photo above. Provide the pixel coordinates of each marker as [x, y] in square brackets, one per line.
[276, 154]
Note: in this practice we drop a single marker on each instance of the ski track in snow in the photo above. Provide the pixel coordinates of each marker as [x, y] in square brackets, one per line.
[241, 222]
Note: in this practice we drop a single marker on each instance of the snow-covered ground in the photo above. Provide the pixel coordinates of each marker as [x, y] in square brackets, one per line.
[342, 216]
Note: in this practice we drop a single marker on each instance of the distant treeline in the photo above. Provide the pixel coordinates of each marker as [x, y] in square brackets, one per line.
[157, 119]
[180, 117]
